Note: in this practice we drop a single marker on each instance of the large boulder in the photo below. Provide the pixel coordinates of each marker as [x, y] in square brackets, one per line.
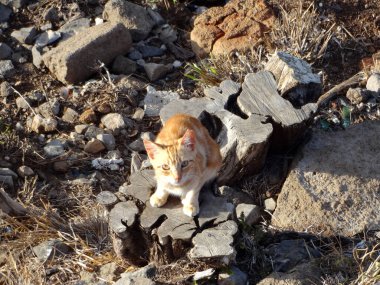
[335, 187]
[235, 27]
[136, 18]
[75, 59]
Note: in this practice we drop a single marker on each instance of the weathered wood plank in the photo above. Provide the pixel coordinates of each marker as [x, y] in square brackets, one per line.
[215, 243]
[295, 78]
[122, 216]
[259, 96]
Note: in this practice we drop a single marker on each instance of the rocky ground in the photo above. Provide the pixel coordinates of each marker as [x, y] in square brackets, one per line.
[82, 82]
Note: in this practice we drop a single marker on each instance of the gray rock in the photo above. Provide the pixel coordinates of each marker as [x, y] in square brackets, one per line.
[37, 96]
[138, 115]
[76, 59]
[6, 89]
[205, 274]
[107, 198]
[94, 146]
[373, 83]
[303, 274]
[113, 121]
[166, 33]
[70, 115]
[22, 103]
[148, 271]
[37, 56]
[135, 55]
[149, 51]
[49, 109]
[157, 70]
[137, 145]
[40, 124]
[54, 148]
[333, 188]
[357, 95]
[250, 213]
[47, 38]
[74, 27]
[8, 172]
[235, 196]
[236, 277]
[47, 250]
[108, 140]
[7, 181]
[6, 68]
[135, 281]
[17, 4]
[156, 17]
[51, 15]
[289, 253]
[133, 16]
[5, 13]
[25, 35]
[123, 65]
[87, 278]
[24, 171]
[46, 27]
[19, 57]
[270, 204]
[80, 129]
[5, 51]
[108, 271]
[155, 100]
[92, 132]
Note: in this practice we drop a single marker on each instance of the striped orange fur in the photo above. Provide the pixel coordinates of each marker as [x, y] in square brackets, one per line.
[184, 158]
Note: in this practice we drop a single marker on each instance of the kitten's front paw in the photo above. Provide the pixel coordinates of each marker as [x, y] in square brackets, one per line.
[156, 201]
[190, 210]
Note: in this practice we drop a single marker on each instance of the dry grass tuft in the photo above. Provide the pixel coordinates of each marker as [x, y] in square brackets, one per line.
[368, 259]
[213, 70]
[177, 272]
[87, 235]
[300, 32]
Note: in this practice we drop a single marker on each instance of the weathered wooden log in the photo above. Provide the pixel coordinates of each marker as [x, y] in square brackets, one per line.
[243, 142]
[295, 78]
[143, 233]
[259, 96]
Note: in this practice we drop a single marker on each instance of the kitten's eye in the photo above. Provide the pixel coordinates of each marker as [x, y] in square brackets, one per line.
[165, 167]
[184, 163]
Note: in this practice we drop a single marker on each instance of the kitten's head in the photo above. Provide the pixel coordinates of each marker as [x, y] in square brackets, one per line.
[174, 164]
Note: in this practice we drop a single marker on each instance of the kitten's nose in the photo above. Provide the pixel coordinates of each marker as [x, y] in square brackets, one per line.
[177, 178]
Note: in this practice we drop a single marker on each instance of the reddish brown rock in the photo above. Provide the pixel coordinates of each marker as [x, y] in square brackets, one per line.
[88, 117]
[237, 26]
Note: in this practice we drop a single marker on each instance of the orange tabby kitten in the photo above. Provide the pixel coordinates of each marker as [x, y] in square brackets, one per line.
[184, 158]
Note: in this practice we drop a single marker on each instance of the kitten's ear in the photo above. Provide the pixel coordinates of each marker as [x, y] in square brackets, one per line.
[151, 148]
[188, 139]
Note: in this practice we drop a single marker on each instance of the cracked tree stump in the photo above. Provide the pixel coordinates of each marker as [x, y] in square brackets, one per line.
[243, 141]
[245, 121]
[143, 234]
